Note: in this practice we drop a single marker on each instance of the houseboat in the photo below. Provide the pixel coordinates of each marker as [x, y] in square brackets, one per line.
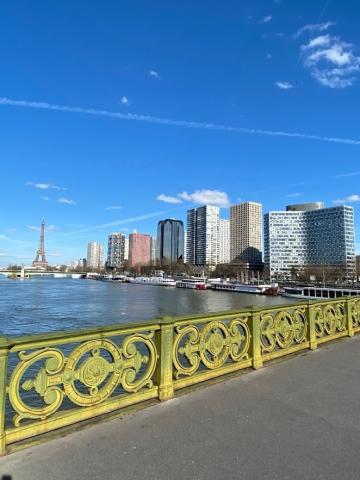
[155, 281]
[318, 292]
[194, 283]
[240, 288]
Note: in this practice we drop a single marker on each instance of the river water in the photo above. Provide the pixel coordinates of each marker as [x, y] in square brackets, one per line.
[46, 304]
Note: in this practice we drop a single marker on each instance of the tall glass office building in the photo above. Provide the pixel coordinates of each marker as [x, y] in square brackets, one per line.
[170, 242]
[309, 234]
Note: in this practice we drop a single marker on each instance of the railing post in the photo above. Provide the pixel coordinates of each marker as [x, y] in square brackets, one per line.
[4, 355]
[164, 344]
[312, 330]
[255, 339]
[348, 313]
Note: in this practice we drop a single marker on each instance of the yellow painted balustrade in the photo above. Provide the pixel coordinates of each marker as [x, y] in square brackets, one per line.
[58, 379]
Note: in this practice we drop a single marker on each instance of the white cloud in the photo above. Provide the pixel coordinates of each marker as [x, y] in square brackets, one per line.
[321, 41]
[312, 28]
[168, 199]
[44, 198]
[154, 73]
[44, 186]
[176, 123]
[294, 195]
[349, 199]
[284, 85]
[54, 254]
[207, 197]
[330, 60]
[114, 207]
[4, 237]
[266, 19]
[124, 100]
[66, 201]
[3, 254]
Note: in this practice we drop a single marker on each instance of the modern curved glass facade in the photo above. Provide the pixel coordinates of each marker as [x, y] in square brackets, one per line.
[170, 242]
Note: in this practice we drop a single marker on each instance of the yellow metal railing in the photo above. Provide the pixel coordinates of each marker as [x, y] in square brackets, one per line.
[58, 379]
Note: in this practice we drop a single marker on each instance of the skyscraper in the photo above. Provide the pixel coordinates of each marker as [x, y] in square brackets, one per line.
[202, 239]
[116, 250]
[139, 249]
[95, 255]
[153, 251]
[126, 250]
[224, 241]
[245, 233]
[309, 235]
[170, 242]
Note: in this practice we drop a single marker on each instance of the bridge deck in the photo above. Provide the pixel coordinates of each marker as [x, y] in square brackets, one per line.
[298, 418]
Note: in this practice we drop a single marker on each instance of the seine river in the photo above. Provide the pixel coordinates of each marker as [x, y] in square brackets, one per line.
[47, 304]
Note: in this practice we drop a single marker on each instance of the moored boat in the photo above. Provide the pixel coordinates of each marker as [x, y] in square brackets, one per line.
[194, 283]
[155, 281]
[240, 288]
[306, 292]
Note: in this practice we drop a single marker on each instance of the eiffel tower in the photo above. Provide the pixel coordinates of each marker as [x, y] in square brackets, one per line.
[40, 259]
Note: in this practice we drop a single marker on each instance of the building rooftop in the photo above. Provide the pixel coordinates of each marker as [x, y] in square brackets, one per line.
[305, 207]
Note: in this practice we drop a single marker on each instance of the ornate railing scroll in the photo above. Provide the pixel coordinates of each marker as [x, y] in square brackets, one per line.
[283, 329]
[80, 380]
[203, 347]
[354, 305]
[330, 320]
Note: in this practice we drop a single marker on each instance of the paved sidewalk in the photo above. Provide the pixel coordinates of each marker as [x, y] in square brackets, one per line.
[296, 419]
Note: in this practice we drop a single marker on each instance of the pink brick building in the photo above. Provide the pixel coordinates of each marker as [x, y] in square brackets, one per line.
[139, 249]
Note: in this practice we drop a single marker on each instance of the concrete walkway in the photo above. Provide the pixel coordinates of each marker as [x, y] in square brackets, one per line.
[296, 419]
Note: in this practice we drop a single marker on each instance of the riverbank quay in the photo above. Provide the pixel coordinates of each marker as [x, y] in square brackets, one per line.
[297, 418]
[60, 379]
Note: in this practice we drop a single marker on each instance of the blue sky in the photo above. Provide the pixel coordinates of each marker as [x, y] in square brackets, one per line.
[116, 114]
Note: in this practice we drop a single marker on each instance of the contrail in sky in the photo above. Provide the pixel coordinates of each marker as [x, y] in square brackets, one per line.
[20, 244]
[174, 123]
[112, 224]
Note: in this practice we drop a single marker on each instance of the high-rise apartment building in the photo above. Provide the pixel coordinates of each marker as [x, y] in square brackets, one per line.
[185, 242]
[139, 249]
[202, 239]
[126, 249]
[116, 250]
[170, 242]
[95, 255]
[309, 235]
[224, 241]
[246, 234]
[153, 251]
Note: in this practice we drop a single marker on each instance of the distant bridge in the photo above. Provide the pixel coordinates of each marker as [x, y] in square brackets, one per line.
[39, 273]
